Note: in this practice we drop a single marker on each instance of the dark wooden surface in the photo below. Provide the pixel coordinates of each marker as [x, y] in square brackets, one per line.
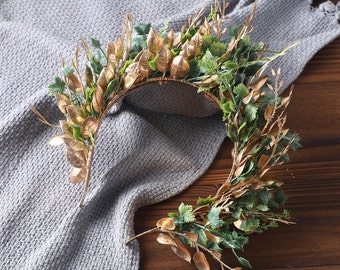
[312, 182]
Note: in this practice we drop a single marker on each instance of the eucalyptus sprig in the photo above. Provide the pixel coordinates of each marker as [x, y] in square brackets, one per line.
[226, 67]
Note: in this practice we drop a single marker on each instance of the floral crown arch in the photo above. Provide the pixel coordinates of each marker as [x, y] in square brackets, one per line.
[228, 70]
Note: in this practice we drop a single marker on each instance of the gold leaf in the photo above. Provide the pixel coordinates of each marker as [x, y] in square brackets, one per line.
[88, 76]
[98, 99]
[119, 48]
[201, 261]
[58, 140]
[188, 50]
[268, 112]
[65, 127]
[238, 224]
[77, 175]
[154, 41]
[75, 114]
[74, 83]
[165, 239]
[111, 53]
[192, 236]
[166, 223]
[62, 102]
[259, 83]
[76, 158]
[179, 67]
[89, 127]
[181, 251]
[169, 39]
[74, 144]
[212, 237]
[263, 161]
[130, 79]
[164, 59]
[197, 40]
[239, 170]
[216, 254]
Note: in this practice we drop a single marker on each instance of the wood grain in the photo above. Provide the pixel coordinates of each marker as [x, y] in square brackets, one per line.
[312, 182]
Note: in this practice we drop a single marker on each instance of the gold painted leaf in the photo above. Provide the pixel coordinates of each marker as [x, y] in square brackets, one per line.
[76, 158]
[169, 39]
[65, 127]
[179, 67]
[188, 50]
[263, 161]
[154, 41]
[119, 48]
[212, 237]
[98, 99]
[259, 83]
[216, 254]
[89, 127]
[165, 239]
[75, 145]
[77, 175]
[75, 114]
[239, 170]
[111, 53]
[130, 79]
[88, 76]
[197, 40]
[62, 102]
[164, 60]
[58, 140]
[201, 261]
[192, 236]
[166, 223]
[74, 84]
[268, 112]
[181, 251]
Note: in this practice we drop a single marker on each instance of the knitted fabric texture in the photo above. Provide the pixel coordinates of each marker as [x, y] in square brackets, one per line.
[147, 150]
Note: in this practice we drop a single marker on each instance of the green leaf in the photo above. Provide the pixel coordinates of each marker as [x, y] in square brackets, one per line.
[95, 43]
[244, 262]
[57, 87]
[205, 201]
[152, 63]
[143, 29]
[214, 217]
[262, 207]
[89, 94]
[263, 196]
[280, 197]
[250, 112]
[163, 29]
[208, 64]
[185, 212]
[76, 131]
[230, 65]
[217, 49]
[67, 70]
[241, 91]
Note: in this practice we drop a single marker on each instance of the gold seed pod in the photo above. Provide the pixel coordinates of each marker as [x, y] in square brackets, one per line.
[88, 76]
[164, 59]
[76, 158]
[62, 102]
[169, 39]
[89, 127]
[197, 40]
[74, 84]
[130, 79]
[98, 99]
[154, 41]
[74, 114]
[179, 67]
[188, 50]
[77, 175]
[119, 48]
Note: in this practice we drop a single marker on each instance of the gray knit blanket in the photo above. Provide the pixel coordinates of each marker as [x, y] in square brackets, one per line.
[148, 149]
